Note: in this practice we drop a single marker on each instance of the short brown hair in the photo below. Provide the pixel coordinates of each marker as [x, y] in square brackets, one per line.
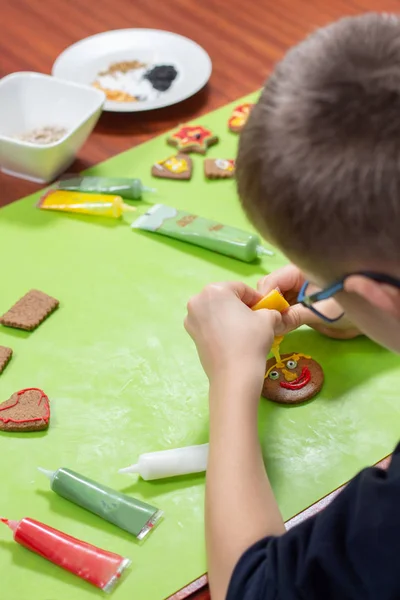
[318, 166]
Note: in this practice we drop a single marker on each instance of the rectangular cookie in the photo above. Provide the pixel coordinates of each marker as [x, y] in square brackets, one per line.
[219, 168]
[29, 311]
[173, 167]
[5, 356]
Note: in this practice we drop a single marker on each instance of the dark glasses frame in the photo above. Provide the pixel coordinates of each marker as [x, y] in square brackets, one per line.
[338, 286]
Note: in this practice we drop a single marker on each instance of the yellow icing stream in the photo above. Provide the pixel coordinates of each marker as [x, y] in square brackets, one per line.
[296, 356]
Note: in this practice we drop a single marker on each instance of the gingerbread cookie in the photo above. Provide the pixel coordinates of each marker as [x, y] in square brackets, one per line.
[5, 357]
[295, 379]
[29, 311]
[26, 410]
[173, 167]
[192, 138]
[239, 116]
[219, 168]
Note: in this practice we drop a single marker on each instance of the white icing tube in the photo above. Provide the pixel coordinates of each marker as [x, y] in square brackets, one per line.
[170, 463]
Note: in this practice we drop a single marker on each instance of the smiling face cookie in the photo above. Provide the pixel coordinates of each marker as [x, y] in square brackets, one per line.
[296, 379]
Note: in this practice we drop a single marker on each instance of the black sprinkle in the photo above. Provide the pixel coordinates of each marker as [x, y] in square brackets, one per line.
[161, 77]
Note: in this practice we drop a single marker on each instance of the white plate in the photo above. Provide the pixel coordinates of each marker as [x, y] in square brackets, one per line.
[82, 62]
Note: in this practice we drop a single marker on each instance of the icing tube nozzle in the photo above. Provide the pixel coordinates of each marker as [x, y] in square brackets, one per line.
[261, 251]
[10, 523]
[131, 469]
[49, 474]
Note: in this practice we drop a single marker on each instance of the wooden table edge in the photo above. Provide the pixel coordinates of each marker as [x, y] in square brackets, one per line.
[198, 588]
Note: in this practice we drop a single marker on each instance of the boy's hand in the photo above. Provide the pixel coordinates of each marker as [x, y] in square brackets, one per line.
[289, 280]
[228, 335]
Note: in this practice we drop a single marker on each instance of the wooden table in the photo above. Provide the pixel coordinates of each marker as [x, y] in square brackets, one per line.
[243, 39]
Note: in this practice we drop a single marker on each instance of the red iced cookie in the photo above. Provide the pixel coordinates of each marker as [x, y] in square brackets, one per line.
[192, 138]
[26, 410]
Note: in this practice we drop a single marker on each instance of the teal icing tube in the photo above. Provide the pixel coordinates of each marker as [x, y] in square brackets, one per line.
[184, 226]
[130, 514]
[128, 188]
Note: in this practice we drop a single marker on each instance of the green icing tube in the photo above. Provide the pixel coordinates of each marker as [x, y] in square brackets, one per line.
[130, 514]
[128, 188]
[212, 235]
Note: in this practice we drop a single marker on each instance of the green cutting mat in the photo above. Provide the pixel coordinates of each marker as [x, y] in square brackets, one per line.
[123, 378]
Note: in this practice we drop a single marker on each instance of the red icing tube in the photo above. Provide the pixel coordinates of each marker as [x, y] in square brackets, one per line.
[99, 567]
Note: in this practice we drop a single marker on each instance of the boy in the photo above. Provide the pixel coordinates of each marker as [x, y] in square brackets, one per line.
[318, 173]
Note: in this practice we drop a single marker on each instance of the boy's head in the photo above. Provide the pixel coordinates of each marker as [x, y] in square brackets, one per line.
[318, 168]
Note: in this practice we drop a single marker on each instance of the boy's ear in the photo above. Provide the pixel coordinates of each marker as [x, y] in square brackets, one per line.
[381, 295]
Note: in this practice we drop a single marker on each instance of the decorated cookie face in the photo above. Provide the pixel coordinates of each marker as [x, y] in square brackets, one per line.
[174, 167]
[192, 139]
[219, 168]
[295, 379]
[239, 117]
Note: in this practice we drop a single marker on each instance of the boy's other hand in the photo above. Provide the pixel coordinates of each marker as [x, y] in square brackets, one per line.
[229, 336]
[289, 280]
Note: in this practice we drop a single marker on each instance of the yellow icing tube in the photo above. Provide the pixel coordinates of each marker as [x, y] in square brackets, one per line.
[274, 301]
[100, 205]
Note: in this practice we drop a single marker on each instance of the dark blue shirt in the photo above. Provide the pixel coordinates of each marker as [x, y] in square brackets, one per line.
[349, 551]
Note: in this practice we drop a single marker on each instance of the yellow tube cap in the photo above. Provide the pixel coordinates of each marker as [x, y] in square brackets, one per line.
[274, 301]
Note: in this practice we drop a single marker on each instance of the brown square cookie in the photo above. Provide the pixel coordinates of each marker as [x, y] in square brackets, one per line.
[179, 166]
[219, 168]
[29, 311]
[5, 357]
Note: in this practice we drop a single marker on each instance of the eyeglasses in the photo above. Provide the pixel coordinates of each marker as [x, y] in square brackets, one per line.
[317, 299]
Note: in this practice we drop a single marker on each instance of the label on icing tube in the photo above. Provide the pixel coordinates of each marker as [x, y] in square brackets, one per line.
[187, 227]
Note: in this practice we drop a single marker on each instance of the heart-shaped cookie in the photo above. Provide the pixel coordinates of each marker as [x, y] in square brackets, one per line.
[26, 410]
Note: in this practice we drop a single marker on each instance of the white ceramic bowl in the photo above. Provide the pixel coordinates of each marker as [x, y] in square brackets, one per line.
[32, 100]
